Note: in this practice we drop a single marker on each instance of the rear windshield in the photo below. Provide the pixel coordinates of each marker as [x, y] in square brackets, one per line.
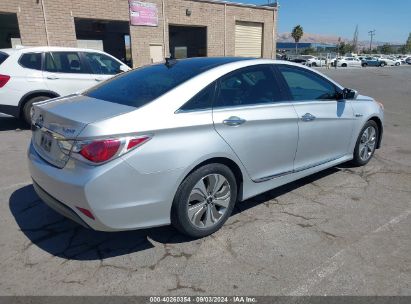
[3, 57]
[143, 85]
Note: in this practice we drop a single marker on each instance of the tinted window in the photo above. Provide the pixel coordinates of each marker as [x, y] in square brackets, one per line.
[305, 85]
[202, 100]
[253, 85]
[31, 61]
[3, 57]
[140, 86]
[64, 62]
[102, 64]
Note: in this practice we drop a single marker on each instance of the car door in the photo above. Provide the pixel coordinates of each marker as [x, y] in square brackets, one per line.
[103, 66]
[325, 123]
[66, 73]
[357, 62]
[250, 114]
[371, 61]
[350, 61]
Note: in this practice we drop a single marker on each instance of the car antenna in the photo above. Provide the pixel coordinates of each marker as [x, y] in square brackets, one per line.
[170, 61]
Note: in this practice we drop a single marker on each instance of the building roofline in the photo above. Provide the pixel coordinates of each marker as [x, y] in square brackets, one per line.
[255, 6]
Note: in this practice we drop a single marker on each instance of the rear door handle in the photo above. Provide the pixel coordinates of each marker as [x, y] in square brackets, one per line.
[233, 121]
[308, 117]
[52, 77]
[98, 79]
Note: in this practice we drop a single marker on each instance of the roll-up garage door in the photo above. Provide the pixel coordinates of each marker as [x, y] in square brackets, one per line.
[248, 39]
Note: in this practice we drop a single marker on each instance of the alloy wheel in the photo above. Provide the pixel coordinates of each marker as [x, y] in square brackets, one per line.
[208, 200]
[367, 143]
[31, 111]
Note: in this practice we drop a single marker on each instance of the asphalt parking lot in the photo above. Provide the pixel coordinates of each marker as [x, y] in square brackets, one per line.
[344, 231]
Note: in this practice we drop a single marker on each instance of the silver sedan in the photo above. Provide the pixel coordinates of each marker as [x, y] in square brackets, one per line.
[183, 141]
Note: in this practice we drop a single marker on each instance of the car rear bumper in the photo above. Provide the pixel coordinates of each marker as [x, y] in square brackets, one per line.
[118, 196]
[58, 206]
[10, 110]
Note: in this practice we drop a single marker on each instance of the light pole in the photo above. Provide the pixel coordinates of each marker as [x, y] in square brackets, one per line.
[338, 52]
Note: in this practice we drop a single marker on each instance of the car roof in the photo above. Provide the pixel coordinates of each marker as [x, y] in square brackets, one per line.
[202, 63]
[7, 51]
[229, 64]
[28, 49]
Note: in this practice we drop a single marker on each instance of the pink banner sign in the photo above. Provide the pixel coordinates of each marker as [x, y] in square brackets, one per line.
[143, 13]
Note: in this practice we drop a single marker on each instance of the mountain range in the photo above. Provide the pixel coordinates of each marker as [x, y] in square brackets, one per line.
[328, 39]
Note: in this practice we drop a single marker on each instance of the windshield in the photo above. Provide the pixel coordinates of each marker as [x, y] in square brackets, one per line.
[143, 85]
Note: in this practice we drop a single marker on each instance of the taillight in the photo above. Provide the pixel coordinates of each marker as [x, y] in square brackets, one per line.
[3, 80]
[100, 151]
[103, 150]
[86, 212]
[134, 142]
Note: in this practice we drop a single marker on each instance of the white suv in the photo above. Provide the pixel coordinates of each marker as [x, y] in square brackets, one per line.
[33, 74]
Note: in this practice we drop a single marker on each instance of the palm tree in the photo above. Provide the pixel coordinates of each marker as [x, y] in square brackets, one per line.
[297, 34]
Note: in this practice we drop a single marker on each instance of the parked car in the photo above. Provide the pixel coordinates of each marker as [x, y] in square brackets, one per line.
[373, 61]
[348, 62]
[391, 61]
[317, 61]
[299, 60]
[32, 74]
[408, 60]
[182, 142]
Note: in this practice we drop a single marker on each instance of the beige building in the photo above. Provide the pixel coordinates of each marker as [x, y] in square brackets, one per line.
[180, 28]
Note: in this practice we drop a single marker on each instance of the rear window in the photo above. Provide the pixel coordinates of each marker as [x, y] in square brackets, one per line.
[31, 61]
[3, 57]
[143, 85]
[64, 62]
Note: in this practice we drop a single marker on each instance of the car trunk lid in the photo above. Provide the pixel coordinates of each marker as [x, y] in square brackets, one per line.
[57, 123]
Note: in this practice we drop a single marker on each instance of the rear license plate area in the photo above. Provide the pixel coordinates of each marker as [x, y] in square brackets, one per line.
[46, 141]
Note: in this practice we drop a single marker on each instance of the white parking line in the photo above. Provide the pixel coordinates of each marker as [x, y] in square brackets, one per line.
[335, 262]
[15, 185]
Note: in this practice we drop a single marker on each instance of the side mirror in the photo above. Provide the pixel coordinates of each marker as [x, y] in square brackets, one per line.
[122, 69]
[349, 94]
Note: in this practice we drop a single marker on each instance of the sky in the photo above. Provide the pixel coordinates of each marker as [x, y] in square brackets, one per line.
[391, 19]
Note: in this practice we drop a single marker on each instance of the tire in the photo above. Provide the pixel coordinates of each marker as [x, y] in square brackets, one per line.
[314, 64]
[344, 65]
[383, 64]
[359, 159]
[28, 106]
[364, 65]
[203, 222]
[397, 64]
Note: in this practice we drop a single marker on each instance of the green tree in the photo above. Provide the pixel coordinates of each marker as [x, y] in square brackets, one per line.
[387, 49]
[365, 51]
[345, 48]
[297, 34]
[402, 49]
[407, 47]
